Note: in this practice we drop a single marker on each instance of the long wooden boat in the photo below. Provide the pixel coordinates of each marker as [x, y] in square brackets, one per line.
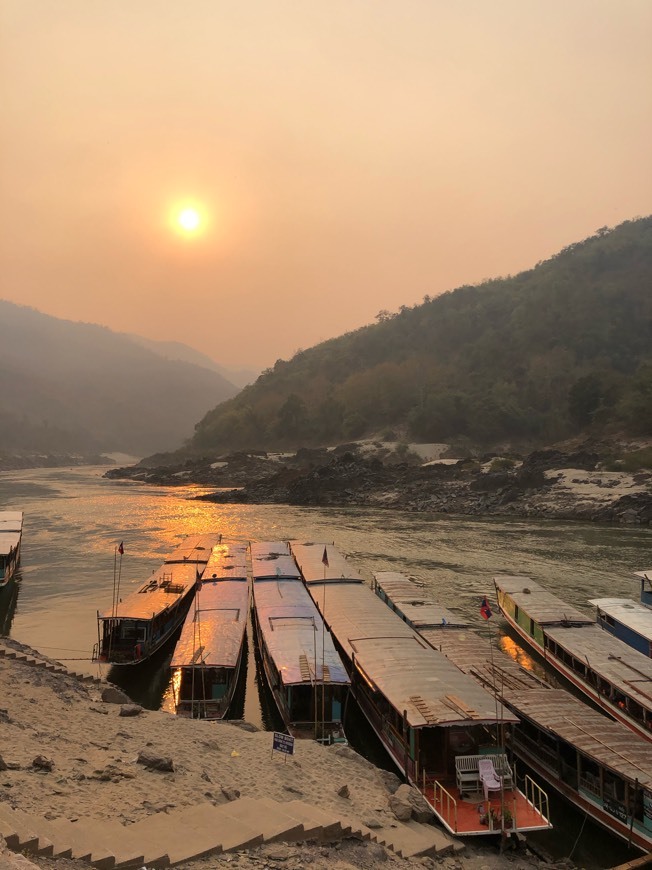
[137, 626]
[438, 725]
[629, 621]
[302, 667]
[208, 655]
[11, 532]
[593, 762]
[614, 677]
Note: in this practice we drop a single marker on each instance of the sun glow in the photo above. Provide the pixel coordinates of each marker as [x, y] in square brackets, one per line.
[188, 220]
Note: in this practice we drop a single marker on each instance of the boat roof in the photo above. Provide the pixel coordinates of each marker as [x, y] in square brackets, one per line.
[629, 671]
[227, 561]
[310, 558]
[271, 560]
[11, 521]
[542, 606]
[644, 575]
[479, 657]
[163, 589]
[411, 675]
[608, 743]
[213, 632]
[194, 548]
[8, 542]
[293, 632]
[631, 614]
[414, 603]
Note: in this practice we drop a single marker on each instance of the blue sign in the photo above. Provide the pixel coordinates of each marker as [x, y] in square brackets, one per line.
[283, 743]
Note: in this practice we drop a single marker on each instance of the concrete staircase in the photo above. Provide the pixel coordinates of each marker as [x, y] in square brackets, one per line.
[169, 839]
[33, 658]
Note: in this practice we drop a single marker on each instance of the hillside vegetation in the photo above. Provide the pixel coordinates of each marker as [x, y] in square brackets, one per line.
[76, 387]
[556, 350]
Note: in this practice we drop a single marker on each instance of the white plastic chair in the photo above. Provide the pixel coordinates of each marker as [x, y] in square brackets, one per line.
[488, 776]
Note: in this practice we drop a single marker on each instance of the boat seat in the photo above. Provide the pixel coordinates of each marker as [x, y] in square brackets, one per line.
[467, 776]
[488, 776]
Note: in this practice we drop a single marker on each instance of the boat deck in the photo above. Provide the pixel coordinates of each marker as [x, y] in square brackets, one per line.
[464, 818]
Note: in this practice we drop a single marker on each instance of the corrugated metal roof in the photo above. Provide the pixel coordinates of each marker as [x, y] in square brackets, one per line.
[622, 666]
[477, 656]
[408, 672]
[609, 743]
[544, 607]
[213, 632]
[228, 561]
[194, 548]
[293, 632]
[161, 590]
[414, 602]
[630, 613]
[310, 557]
[273, 559]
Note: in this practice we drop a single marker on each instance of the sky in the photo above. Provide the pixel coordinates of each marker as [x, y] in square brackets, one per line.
[342, 157]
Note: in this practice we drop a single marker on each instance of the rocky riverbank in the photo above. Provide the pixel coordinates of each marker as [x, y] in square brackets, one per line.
[554, 484]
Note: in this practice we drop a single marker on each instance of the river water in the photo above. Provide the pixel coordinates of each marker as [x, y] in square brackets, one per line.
[74, 519]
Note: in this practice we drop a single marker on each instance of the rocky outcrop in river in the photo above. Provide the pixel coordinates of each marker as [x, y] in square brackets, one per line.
[546, 483]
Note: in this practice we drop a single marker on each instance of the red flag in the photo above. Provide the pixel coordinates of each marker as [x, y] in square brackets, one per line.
[485, 610]
[121, 549]
[324, 558]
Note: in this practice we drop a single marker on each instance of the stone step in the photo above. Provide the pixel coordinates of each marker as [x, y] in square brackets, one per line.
[22, 835]
[270, 819]
[328, 823]
[412, 839]
[85, 840]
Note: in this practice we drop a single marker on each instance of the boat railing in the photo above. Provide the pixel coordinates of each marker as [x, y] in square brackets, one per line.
[442, 800]
[536, 797]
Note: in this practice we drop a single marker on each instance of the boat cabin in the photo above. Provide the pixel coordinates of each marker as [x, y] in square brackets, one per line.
[627, 620]
[11, 529]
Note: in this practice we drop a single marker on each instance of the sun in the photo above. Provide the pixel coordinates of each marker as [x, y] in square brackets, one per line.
[189, 220]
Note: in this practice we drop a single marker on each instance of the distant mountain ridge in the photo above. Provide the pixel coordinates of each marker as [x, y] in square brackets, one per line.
[177, 350]
[528, 359]
[68, 386]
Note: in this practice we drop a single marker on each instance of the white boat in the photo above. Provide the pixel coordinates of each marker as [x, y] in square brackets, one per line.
[136, 627]
[11, 531]
[208, 655]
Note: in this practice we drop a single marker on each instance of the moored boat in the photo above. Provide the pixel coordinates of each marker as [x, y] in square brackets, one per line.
[595, 763]
[11, 532]
[439, 726]
[613, 676]
[629, 621]
[301, 665]
[208, 655]
[138, 626]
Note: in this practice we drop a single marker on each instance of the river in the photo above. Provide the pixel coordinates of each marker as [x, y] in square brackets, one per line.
[74, 519]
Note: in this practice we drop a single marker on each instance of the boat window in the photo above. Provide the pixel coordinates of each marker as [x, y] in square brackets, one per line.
[635, 710]
[614, 786]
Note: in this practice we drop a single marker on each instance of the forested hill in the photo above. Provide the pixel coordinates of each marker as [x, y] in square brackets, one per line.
[532, 358]
[78, 388]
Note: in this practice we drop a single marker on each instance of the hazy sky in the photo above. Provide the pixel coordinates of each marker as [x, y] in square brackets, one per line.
[346, 156]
